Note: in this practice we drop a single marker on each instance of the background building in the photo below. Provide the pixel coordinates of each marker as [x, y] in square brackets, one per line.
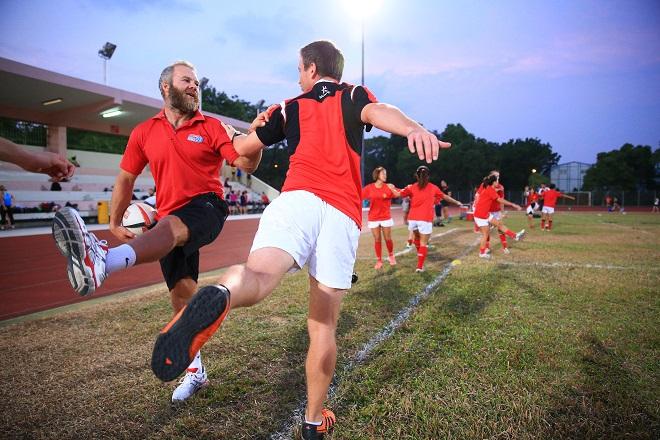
[568, 176]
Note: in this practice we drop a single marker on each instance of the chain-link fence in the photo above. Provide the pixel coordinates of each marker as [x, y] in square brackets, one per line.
[582, 198]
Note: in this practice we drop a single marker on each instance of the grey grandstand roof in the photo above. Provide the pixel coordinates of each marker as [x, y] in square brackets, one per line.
[25, 88]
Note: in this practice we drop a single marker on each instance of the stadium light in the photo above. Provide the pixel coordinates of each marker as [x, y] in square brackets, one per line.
[533, 170]
[364, 9]
[106, 53]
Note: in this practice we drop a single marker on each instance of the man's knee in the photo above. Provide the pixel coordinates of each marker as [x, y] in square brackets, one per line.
[174, 229]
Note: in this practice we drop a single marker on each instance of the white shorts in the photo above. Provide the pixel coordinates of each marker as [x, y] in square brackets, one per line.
[548, 210]
[531, 208]
[497, 215]
[423, 227]
[481, 222]
[312, 232]
[384, 223]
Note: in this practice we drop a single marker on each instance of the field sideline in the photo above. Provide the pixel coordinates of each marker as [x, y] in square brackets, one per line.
[559, 339]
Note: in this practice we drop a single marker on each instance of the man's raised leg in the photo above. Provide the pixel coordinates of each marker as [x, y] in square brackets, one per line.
[240, 286]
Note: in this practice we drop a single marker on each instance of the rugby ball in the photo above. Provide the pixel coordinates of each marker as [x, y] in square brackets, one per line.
[138, 217]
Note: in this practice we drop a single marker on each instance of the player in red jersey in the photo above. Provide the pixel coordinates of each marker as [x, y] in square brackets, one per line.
[423, 197]
[184, 150]
[496, 209]
[550, 197]
[531, 197]
[315, 221]
[380, 195]
[483, 218]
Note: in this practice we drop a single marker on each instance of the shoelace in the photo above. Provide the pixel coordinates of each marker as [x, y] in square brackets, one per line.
[95, 247]
[193, 378]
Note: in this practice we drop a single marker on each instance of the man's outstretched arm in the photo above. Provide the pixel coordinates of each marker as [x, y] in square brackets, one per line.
[37, 162]
[389, 118]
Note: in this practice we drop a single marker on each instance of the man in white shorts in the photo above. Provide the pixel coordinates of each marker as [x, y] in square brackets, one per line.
[315, 221]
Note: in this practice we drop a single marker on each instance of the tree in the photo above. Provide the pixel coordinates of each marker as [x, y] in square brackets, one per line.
[518, 158]
[626, 169]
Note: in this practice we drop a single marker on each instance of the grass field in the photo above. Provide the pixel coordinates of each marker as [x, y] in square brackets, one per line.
[559, 339]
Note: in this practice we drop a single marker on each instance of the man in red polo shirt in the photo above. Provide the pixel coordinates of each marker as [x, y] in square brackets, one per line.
[185, 151]
[315, 221]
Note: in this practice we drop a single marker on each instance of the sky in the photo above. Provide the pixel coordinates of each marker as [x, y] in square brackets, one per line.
[581, 75]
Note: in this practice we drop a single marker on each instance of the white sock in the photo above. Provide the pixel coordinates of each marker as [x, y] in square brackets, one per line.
[120, 257]
[196, 364]
[312, 423]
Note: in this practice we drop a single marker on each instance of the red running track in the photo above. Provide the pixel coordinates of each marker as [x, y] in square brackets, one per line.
[33, 272]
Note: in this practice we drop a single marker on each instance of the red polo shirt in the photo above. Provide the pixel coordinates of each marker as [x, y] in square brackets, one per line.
[185, 162]
[380, 202]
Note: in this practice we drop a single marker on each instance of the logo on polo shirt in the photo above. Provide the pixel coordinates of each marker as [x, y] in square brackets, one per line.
[195, 138]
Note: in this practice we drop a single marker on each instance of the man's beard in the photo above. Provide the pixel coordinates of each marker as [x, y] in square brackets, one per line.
[183, 102]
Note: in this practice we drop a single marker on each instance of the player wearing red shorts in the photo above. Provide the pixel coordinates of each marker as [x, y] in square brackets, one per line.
[380, 195]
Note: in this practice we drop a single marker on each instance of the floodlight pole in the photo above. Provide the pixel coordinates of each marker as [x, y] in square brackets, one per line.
[362, 156]
[105, 71]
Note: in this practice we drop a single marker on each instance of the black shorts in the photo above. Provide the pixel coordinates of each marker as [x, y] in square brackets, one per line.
[204, 216]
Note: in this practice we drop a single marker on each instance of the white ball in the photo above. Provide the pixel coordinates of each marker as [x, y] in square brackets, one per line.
[138, 217]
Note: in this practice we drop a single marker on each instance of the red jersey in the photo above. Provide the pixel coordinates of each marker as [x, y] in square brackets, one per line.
[484, 199]
[422, 201]
[550, 197]
[185, 162]
[380, 202]
[325, 129]
[532, 197]
[496, 206]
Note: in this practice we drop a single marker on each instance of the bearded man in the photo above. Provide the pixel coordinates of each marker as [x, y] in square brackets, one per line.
[184, 150]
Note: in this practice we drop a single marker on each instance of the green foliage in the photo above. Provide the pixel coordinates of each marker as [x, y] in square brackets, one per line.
[219, 102]
[535, 180]
[93, 141]
[626, 169]
[465, 164]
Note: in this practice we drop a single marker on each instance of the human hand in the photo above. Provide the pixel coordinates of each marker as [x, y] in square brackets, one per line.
[46, 162]
[123, 234]
[425, 144]
[262, 118]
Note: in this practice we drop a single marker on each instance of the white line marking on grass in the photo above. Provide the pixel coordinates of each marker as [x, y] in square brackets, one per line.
[578, 265]
[369, 346]
[633, 228]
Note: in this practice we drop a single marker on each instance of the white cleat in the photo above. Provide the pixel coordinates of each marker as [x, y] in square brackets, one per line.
[418, 270]
[84, 252]
[506, 251]
[189, 385]
[484, 255]
[520, 235]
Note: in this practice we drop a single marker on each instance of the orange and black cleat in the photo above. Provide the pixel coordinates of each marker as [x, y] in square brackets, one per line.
[314, 432]
[185, 334]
